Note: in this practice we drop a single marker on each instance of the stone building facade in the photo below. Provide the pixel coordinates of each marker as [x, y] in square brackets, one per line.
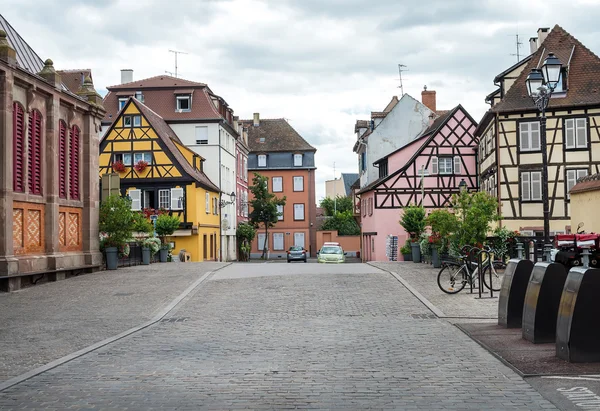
[48, 168]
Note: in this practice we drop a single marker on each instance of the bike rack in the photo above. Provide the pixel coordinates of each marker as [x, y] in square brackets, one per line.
[480, 273]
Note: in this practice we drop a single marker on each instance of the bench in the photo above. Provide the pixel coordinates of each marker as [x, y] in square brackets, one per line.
[8, 284]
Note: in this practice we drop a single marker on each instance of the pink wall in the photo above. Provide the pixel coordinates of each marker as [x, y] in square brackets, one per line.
[241, 184]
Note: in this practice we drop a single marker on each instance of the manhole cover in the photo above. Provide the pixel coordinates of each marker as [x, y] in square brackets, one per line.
[174, 320]
[424, 316]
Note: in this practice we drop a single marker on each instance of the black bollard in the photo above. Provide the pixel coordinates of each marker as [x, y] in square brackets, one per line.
[577, 330]
[512, 293]
[542, 300]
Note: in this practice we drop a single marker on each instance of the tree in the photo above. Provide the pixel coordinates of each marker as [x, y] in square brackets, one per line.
[340, 204]
[116, 220]
[343, 222]
[442, 223]
[475, 213]
[245, 235]
[165, 226]
[413, 221]
[264, 207]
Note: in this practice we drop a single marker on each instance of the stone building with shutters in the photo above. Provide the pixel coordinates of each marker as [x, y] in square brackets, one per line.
[48, 168]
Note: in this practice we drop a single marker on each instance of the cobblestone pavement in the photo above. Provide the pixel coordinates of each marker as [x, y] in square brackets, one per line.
[463, 305]
[309, 341]
[48, 321]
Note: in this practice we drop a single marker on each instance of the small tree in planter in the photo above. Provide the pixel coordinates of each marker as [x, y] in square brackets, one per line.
[245, 235]
[165, 226]
[475, 213]
[152, 244]
[406, 251]
[116, 222]
[442, 223]
[413, 221]
[143, 228]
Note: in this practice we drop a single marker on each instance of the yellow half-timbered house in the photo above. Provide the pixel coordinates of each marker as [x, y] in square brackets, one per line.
[510, 153]
[158, 172]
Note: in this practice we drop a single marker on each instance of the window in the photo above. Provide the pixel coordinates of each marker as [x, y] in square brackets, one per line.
[125, 158]
[370, 205]
[122, 102]
[299, 183]
[297, 160]
[207, 203]
[278, 241]
[184, 103]
[573, 176]
[383, 168]
[280, 212]
[575, 133]
[299, 239]
[261, 242]
[531, 186]
[277, 183]
[164, 198]
[434, 165]
[127, 121]
[364, 207]
[457, 165]
[139, 96]
[298, 211]
[136, 199]
[529, 136]
[34, 157]
[363, 161]
[177, 198]
[445, 165]
[201, 135]
[147, 157]
[74, 163]
[262, 160]
[62, 159]
[245, 169]
[137, 121]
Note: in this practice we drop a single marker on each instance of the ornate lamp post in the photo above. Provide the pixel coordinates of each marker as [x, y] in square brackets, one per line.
[541, 85]
[224, 203]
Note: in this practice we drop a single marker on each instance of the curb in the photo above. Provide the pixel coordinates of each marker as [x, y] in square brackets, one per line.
[53, 364]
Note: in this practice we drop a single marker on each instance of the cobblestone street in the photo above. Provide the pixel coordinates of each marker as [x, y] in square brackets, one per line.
[293, 336]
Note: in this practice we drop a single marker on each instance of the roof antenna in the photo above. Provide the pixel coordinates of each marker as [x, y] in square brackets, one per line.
[518, 44]
[400, 71]
[176, 53]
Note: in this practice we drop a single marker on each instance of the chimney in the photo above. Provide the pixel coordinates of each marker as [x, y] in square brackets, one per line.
[126, 76]
[256, 119]
[542, 34]
[533, 45]
[428, 98]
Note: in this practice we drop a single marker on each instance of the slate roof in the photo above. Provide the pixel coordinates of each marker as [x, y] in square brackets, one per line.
[349, 179]
[160, 94]
[278, 135]
[587, 183]
[27, 58]
[168, 137]
[583, 77]
[73, 79]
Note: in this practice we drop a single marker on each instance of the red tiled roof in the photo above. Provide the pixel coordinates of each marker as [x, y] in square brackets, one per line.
[278, 135]
[73, 79]
[583, 78]
[588, 183]
[162, 81]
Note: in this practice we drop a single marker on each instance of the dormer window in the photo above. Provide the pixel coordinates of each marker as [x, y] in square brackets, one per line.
[297, 160]
[262, 160]
[122, 102]
[139, 96]
[184, 103]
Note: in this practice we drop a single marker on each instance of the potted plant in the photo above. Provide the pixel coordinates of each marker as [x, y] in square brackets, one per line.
[413, 221]
[434, 245]
[140, 166]
[406, 251]
[116, 226]
[443, 223]
[143, 227]
[118, 167]
[425, 248]
[165, 226]
[152, 244]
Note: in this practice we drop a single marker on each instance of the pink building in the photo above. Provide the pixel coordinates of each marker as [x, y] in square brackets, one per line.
[241, 152]
[445, 154]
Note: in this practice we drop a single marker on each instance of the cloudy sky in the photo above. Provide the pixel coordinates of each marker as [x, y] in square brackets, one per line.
[321, 64]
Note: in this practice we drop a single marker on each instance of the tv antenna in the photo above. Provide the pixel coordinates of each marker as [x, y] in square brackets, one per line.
[176, 53]
[518, 44]
[400, 71]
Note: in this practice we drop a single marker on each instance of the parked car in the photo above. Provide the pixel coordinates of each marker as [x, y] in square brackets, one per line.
[331, 254]
[296, 253]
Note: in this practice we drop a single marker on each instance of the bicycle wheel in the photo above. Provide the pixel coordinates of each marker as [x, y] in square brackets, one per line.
[452, 278]
[497, 274]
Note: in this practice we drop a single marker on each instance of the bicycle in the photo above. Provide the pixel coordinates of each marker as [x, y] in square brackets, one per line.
[453, 277]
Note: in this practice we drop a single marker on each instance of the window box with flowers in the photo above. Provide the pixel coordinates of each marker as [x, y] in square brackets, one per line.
[140, 166]
[118, 167]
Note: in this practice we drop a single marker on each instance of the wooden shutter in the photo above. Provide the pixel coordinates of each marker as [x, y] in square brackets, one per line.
[35, 153]
[18, 147]
[177, 199]
[534, 134]
[62, 159]
[570, 133]
[525, 190]
[136, 199]
[74, 163]
[207, 200]
[434, 165]
[571, 180]
[536, 185]
[524, 136]
[457, 165]
[581, 133]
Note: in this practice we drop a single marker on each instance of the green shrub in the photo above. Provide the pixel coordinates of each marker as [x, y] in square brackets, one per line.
[413, 221]
[166, 226]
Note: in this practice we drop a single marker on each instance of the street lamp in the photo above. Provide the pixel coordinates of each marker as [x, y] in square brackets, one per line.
[541, 85]
[224, 203]
[462, 186]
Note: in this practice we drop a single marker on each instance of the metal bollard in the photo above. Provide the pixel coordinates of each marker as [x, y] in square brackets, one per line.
[585, 257]
[547, 252]
[520, 251]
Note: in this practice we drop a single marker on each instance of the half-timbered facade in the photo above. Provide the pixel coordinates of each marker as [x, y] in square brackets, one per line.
[511, 165]
[159, 173]
[48, 168]
[427, 171]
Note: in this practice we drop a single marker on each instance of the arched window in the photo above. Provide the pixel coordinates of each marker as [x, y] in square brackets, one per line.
[74, 163]
[62, 159]
[18, 147]
[35, 152]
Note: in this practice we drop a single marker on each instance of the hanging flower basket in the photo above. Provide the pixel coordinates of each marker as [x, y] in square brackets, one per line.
[118, 166]
[140, 166]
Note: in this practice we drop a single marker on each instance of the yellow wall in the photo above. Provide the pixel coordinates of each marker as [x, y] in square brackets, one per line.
[584, 208]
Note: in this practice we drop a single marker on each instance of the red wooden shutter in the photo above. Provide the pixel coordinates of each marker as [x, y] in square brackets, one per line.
[74, 160]
[35, 152]
[62, 159]
[18, 147]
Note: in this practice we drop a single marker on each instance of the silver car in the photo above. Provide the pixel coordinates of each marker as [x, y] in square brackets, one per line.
[296, 253]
